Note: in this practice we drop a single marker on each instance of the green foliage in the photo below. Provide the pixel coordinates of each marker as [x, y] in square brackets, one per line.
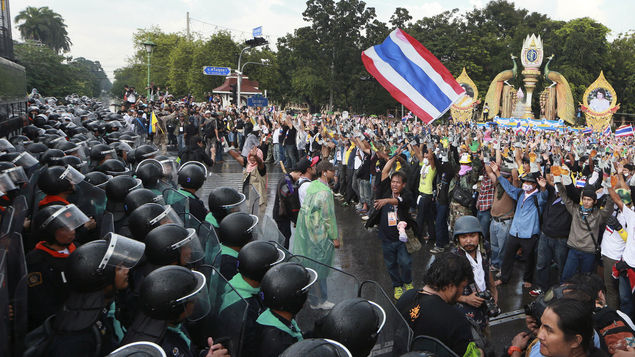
[46, 71]
[44, 25]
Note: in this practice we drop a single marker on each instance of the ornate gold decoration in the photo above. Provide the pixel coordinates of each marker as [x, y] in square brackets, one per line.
[599, 110]
[463, 110]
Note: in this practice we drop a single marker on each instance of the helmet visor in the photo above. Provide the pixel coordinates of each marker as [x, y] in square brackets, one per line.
[6, 183]
[238, 206]
[17, 175]
[139, 349]
[5, 145]
[383, 314]
[167, 216]
[72, 175]
[190, 248]
[170, 170]
[312, 280]
[25, 159]
[121, 252]
[109, 154]
[124, 146]
[69, 217]
[197, 302]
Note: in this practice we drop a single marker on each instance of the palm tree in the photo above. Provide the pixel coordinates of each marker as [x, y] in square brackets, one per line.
[44, 25]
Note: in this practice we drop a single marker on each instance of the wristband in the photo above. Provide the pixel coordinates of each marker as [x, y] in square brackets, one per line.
[512, 349]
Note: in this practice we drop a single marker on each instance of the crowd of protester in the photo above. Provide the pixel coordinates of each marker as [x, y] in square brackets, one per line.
[123, 256]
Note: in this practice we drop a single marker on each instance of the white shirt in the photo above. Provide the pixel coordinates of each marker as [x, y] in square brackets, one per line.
[629, 252]
[304, 186]
[276, 136]
[612, 244]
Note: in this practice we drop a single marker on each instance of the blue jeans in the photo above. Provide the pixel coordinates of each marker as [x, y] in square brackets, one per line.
[291, 153]
[498, 233]
[484, 218]
[179, 142]
[549, 249]
[397, 259]
[577, 260]
[441, 226]
[364, 192]
[276, 153]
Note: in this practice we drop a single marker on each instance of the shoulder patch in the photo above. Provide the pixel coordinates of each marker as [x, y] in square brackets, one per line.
[414, 313]
[34, 279]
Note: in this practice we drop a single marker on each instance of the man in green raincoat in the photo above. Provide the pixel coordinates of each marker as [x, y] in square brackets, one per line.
[316, 229]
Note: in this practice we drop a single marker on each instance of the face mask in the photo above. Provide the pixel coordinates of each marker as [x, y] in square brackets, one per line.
[425, 161]
[527, 187]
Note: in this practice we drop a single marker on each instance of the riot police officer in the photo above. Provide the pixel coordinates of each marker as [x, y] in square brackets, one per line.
[192, 176]
[356, 323]
[221, 202]
[86, 325]
[46, 264]
[149, 216]
[150, 171]
[58, 183]
[138, 197]
[235, 231]
[316, 347]
[285, 288]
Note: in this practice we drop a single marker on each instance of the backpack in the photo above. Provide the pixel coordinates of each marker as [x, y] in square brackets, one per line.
[290, 198]
[613, 330]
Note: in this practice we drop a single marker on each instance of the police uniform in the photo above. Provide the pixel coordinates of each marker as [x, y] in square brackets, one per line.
[276, 334]
[176, 343]
[228, 262]
[46, 281]
[197, 207]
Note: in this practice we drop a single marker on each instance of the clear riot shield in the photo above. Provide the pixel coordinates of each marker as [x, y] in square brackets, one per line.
[7, 221]
[333, 285]
[178, 201]
[31, 191]
[396, 336]
[226, 325]
[89, 199]
[16, 286]
[4, 305]
[253, 202]
[20, 212]
[287, 253]
[107, 225]
[210, 243]
[432, 345]
[267, 229]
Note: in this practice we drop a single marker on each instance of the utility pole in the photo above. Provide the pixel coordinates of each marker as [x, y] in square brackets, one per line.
[187, 24]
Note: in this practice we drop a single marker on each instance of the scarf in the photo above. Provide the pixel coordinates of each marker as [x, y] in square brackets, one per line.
[477, 268]
[252, 163]
[465, 169]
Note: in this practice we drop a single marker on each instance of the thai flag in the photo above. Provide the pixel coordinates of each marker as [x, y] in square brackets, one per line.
[607, 131]
[412, 75]
[580, 183]
[520, 130]
[624, 130]
[408, 116]
[587, 130]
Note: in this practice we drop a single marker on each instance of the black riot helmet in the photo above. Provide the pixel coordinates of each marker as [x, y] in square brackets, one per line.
[139, 197]
[101, 152]
[51, 218]
[316, 347]
[223, 201]
[113, 167]
[57, 179]
[192, 175]
[74, 161]
[172, 243]
[169, 291]
[97, 178]
[139, 349]
[285, 287]
[149, 171]
[255, 258]
[118, 187]
[24, 159]
[51, 157]
[355, 322]
[67, 147]
[16, 173]
[149, 216]
[237, 229]
[91, 267]
[36, 149]
[145, 152]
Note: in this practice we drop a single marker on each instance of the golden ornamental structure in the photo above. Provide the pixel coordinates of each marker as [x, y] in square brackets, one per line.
[599, 103]
[463, 110]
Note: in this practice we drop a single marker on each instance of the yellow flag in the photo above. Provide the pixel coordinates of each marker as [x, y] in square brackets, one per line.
[154, 123]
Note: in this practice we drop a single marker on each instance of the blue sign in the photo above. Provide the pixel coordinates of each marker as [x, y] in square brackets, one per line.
[257, 31]
[257, 101]
[216, 71]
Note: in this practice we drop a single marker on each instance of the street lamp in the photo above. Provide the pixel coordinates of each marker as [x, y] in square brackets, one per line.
[149, 46]
[255, 42]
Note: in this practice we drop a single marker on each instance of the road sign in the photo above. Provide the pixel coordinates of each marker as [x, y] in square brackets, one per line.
[216, 71]
[257, 101]
[257, 31]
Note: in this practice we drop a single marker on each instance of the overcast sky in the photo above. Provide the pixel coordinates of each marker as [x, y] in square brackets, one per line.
[102, 30]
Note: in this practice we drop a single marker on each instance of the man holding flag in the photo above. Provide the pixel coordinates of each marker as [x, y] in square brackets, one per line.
[157, 129]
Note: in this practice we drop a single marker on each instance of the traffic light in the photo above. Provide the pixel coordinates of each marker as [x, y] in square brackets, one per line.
[234, 92]
[256, 41]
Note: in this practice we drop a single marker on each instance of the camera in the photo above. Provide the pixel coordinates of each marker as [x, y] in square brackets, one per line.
[538, 306]
[492, 309]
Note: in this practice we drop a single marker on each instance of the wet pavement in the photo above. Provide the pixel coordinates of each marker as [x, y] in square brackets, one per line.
[361, 256]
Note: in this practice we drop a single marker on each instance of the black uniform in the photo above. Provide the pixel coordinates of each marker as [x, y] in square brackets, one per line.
[47, 284]
[197, 207]
[176, 343]
[272, 341]
[228, 266]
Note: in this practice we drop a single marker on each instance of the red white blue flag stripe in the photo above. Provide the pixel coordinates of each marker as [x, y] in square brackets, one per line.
[607, 131]
[624, 130]
[412, 75]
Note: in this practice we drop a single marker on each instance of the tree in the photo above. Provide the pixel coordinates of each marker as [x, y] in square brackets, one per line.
[44, 25]
[400, 18]
[620, 70]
